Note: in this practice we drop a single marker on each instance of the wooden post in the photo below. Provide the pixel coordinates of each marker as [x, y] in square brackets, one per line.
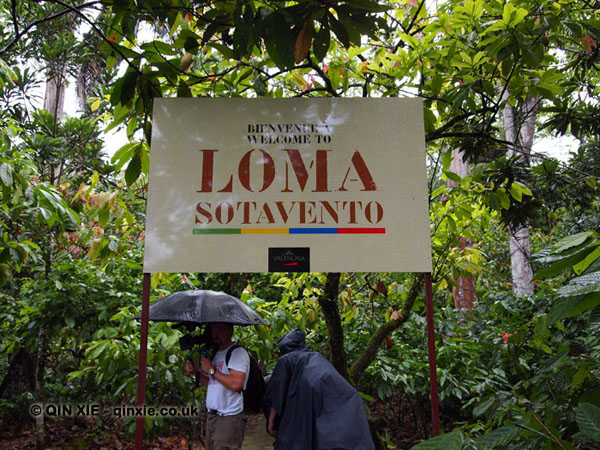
[435, 415]
[141, 391]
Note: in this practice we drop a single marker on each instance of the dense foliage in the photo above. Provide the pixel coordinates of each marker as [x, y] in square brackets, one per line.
[513, 371]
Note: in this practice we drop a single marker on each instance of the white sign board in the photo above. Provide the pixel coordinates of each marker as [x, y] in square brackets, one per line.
[257, 185]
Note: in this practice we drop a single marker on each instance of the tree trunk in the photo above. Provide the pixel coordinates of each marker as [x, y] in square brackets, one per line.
[54, 99]
[54, 102]
[520, 131]
[329, 305]
[522, 273]
[39, 389]
[464, 292]
[527, 132]
[20, 375]
[458, 166]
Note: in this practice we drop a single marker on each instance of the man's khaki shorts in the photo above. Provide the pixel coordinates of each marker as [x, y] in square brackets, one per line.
[225, 432]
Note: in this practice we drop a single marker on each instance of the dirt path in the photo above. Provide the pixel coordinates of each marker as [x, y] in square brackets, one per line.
[256, 437]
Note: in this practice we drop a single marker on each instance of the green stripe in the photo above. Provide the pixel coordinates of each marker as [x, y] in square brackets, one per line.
[217, 231]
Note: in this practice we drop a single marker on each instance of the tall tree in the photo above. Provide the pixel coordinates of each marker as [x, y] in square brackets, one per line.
[520, 128]
[65, 151]
[464, 289]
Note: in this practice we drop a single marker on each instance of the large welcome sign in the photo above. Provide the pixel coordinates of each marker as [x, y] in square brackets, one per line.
[256, 185]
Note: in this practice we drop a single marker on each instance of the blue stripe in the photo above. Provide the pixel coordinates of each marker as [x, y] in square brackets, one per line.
[313, 230]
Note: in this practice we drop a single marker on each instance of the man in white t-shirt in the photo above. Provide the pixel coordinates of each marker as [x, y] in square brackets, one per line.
[226, 421]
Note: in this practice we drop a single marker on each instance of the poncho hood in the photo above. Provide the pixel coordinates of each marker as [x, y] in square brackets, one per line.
[294, 341]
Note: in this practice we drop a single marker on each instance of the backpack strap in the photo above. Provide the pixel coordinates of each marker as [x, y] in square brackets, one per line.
[229, 352]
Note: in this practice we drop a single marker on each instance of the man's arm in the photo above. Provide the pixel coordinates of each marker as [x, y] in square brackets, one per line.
[234, 381]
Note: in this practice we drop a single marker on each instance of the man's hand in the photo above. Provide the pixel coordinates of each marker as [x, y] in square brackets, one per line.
[206, 365]
[271, 427]
[190, 367]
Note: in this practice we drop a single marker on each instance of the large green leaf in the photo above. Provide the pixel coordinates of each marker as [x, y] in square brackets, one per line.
[368, 5]
[340, 30]
[485, 406]
[449, 441]
[133, 169]
[280, 40]
[6, 174]
[355, 25]
[6, 71]
[593, 267]
[188, 40]
[500, 437]
[242, 33]
[557, 252]
[124, 90]
[124, 154]
[563, 261]
[582, 285]
[215, 24]
[569, 307]
[159, 47]
[587, 262]
[588, 419]
[321, 42]
[571, 241]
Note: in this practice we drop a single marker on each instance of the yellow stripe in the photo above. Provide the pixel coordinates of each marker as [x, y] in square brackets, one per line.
[265, 231]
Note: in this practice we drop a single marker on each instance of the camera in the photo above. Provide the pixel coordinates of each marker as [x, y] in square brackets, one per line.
[204, 341]
[187, 341]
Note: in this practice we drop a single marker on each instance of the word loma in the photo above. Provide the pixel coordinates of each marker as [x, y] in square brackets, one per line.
[296, 166]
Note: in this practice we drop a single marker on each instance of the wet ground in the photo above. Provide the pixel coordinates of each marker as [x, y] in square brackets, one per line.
[68, 434]
[256, 437]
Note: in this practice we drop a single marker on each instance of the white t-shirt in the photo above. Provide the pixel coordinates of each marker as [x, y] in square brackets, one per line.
[218, 397]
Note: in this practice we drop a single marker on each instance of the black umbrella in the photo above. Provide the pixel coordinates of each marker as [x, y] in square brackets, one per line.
[202, 306]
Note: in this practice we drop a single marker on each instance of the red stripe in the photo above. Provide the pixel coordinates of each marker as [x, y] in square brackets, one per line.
[361, 230]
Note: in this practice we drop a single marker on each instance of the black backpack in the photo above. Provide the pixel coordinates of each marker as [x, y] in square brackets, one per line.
[255, 388]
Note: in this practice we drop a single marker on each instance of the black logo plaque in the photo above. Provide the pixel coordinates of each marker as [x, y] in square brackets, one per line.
[289, 259]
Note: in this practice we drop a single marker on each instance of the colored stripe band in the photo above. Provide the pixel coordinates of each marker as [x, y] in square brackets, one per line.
[217, 231]
[289, 231]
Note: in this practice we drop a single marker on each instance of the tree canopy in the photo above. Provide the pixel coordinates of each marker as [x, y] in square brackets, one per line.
[513, 370]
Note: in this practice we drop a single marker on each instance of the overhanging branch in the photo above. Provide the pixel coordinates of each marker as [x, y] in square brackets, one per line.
[370, 352]
[28, 28]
